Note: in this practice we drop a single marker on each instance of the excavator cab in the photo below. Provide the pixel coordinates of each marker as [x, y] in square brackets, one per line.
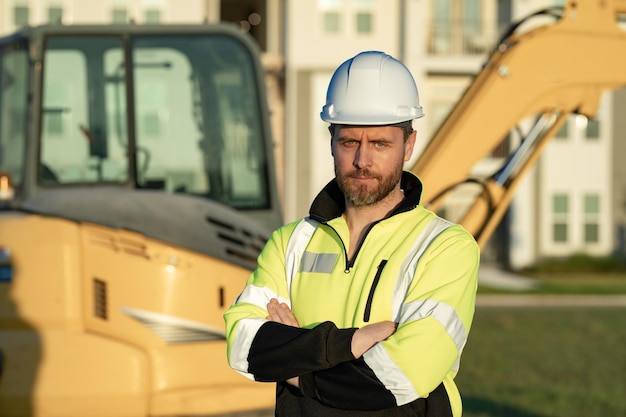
[137, 189]
[176, 110]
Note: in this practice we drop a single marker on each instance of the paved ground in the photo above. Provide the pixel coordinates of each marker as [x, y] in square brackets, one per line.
[494, 277]
[522, 300]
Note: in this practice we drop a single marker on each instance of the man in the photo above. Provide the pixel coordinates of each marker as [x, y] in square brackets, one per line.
[364, 307]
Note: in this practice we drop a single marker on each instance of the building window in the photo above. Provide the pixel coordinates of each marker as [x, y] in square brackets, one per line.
[560, 211]
[153, 16]
[563, 132]
[471, 18]
[54, 109]
[119, 15]
[458, 28]
[592, 131]
[364, 16]
[363, 22]
[53, 123]
[151, 124]
[331, 15]
[20, 16]
[332, 22]
[592, 217]
[55, 14]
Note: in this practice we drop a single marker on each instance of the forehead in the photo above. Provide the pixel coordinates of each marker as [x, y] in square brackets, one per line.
[369, 132]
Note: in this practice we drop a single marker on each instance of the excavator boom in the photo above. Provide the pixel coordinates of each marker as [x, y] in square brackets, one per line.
[552, 70]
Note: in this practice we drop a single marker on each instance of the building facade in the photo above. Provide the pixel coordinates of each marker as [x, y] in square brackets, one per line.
[573, 201]
[570, 203]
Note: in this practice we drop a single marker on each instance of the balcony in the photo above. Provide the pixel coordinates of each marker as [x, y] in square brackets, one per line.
[463, 38]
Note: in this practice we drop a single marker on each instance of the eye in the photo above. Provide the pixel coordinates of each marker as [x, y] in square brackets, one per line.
[380, 145]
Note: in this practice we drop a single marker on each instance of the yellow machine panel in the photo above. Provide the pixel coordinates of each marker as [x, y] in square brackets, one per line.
[136, 191]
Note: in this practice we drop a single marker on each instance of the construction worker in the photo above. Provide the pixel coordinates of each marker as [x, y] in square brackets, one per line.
[363, 307]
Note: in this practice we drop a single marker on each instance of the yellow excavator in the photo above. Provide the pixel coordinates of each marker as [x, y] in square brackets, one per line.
[543, 74]
[137, 188]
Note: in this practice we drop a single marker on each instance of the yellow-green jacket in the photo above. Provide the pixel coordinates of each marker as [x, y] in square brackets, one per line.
[412, 267]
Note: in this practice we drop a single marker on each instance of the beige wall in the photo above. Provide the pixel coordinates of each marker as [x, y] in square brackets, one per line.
[312, 56]
[92, 11]
[619, 173]
[308, 45]
[300, 72]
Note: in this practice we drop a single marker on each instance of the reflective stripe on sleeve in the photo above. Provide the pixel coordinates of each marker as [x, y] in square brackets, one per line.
[407, 270]
[445, 314]
[377, 358]
[442, 312]
[248, 327]
[390, 374]
[386, 370]
[246, 331]
[259, 296]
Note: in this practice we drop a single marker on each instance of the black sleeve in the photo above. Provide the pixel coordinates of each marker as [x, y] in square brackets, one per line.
[349, 385]
[279, 352]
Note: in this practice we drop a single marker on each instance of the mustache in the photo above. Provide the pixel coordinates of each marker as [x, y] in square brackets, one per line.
[362, 173]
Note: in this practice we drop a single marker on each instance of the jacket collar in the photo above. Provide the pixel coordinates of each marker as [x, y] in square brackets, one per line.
[330, 203]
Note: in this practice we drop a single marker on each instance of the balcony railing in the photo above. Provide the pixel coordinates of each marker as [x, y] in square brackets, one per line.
[461, 39]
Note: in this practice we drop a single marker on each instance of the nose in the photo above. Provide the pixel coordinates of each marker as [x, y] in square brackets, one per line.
[363, 157]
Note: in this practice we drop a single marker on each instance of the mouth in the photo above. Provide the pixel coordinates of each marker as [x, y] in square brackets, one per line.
[363, 182]
[362, 176]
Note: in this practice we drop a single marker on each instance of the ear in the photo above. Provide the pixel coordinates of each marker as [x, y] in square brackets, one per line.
[409, 145]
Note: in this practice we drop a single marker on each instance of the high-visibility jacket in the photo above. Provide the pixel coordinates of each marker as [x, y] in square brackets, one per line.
[412, 267]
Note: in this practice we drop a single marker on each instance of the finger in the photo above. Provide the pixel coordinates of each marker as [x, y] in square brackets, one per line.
[287, 316]
[272, 310]
[281, 313]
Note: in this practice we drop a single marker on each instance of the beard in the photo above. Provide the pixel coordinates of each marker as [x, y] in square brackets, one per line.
[361, 195]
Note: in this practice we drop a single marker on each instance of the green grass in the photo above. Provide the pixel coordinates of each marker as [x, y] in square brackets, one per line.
[550, 361]
[581, 263]
[607, 283]
[576, 274]
[545, 362]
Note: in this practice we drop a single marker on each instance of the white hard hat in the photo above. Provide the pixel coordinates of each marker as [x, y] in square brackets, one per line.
[372, 88]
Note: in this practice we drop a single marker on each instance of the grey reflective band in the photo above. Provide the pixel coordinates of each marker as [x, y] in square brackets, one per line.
[318, 262]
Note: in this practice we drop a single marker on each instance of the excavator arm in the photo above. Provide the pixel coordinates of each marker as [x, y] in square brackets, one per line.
[549, 72]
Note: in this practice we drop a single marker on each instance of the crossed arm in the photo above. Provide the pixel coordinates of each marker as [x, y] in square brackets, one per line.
[362, 340]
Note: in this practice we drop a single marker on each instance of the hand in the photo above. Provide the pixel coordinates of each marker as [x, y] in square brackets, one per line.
[366, 337]
[281, 313]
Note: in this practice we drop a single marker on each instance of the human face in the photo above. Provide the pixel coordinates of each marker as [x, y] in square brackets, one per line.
[369, 160]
